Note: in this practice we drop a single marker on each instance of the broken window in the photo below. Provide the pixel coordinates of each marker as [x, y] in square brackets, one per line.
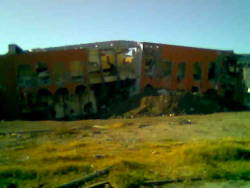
[197, 71]
[195, 89]
[94, 62]
[76, 70]
[150, 66]
[129, 55]
[60, 73]
[166, 68]
[108, 62]
[44, 97]
[125, 61]
[42, 73]
[181, 71]
[211, 70]
[94, 66]
[89, 108]
[80, 89]
[30, 99]
[62, 92]
[25, 75]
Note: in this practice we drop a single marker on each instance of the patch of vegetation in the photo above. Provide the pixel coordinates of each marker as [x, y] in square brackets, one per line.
[229, 171]
[62, 131]
[220, 159]
[214, 151]
[137, 154]
[128, 174]
[71, 167]
[128, 179]
[18, 173]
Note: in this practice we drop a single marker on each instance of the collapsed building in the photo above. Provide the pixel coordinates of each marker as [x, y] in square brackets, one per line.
[83, 80]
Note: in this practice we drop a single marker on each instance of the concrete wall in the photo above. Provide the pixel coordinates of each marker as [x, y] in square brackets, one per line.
[164, 70]
[58, 83]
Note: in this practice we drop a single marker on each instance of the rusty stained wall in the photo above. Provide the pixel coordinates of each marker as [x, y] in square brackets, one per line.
[30, 73]
[71, 71]
[188, 58]
[36, 78]
[61, 67]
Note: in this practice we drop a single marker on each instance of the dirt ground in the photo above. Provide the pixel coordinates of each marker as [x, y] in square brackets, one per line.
[50, 153]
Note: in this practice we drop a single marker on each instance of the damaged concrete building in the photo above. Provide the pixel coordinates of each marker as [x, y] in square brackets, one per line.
[78, 81]
[244, 61]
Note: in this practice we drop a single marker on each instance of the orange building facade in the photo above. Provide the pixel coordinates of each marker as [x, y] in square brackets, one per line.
[180, 68]
[76, 81]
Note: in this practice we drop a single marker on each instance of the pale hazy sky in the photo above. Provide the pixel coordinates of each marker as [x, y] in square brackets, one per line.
[221, 24]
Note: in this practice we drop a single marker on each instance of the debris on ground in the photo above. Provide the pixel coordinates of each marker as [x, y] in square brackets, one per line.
[143, 125]
[99, 156]
[185, 122]
[165, 103]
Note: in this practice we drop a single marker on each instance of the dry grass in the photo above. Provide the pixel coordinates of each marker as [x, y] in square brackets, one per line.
[211, 147]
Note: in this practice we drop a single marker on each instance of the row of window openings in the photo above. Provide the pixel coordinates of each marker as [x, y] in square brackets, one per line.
[196, 68]
[43, 73]
[46, 78]
[197, 72]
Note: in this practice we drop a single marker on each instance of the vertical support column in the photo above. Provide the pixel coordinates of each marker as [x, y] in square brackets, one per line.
[138, 67]
[116, 64]
[100, 66]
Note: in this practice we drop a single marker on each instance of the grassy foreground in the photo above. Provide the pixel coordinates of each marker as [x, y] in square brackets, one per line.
[48, 153]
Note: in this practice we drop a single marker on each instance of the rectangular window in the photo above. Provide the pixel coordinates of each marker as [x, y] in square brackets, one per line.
[165, 69]
[197, 71]
[211, 71]
[181, 71]
[43, 75]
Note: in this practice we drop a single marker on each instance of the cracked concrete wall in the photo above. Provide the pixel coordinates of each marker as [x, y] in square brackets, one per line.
[120, 66]
[161, 64]
[65, 69]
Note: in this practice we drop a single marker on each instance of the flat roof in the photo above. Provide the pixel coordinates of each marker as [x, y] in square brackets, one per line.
[109, 45]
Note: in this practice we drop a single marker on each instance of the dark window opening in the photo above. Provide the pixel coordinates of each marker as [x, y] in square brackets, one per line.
[197, 71]
[62, 91]
[30, 100]
[77, 78]
[149, 62]
[80, 89]
[41, 67]
[61, 95]
[165, 69]
[88, 108]
[42, 73]
[25, 75]
[195, 89]
[149, 67]
[181, 71]
[43, 96]
[211, 70]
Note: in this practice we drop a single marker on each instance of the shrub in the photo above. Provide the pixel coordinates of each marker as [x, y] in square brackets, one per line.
[65, 169]
[211, 151]
[18, 173]
[128, 179]
[62, 131]
[128, 174]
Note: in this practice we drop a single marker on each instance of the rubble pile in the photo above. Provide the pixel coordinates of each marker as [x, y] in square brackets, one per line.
[160, 103]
